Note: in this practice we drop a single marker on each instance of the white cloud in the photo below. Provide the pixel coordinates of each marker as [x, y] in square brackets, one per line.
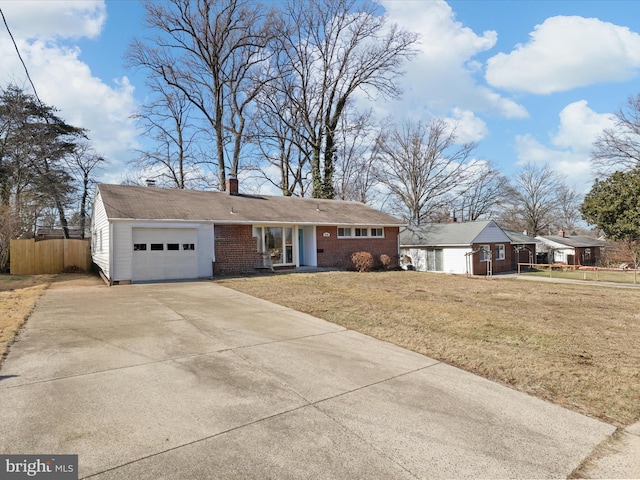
[61, 79]
[468, 127]
[580, 127]
[443, 73]
[574, 166]
[55, 19]
[569, 148]
[566, 52]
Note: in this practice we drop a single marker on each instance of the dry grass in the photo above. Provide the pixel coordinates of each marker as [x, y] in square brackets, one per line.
[577, 345]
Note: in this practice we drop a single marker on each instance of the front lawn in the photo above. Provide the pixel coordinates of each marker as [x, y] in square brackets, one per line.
[589, 274]
[577, 345]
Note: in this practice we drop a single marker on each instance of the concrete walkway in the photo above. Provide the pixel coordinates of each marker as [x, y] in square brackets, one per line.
[196, 381]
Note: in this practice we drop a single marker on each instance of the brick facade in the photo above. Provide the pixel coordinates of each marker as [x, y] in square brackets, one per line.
[498, 266]
[236, 249]
[334, 252]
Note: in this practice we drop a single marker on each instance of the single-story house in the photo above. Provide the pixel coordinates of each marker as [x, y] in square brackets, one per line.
[150, 234]
[475, 248]
[571, 249]
[523, 246]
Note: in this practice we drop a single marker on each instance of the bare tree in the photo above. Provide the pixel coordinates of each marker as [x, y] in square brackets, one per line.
[618, 148]
[356, 150]
[326, 51]
[213, 52]
[534, 205]
[569, 201]
[486, 189]
[281, 144]
[423, 168]
[172, 158]
[83, 164]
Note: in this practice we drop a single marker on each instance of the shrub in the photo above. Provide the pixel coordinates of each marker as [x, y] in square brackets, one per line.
[385, 260]
[362, 261]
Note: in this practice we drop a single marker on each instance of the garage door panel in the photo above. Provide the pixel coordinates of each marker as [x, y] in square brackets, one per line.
[164, 254]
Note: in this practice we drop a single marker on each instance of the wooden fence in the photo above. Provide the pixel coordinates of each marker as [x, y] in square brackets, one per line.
[29, 257]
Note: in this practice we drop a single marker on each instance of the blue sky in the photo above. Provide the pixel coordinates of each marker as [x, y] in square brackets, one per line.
[529, 81]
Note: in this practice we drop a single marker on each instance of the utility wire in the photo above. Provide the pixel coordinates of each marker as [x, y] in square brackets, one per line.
[26, 70]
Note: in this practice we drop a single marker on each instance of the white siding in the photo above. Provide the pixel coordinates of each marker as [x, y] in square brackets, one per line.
[205, 250]
[100, 238]
[454, 259]
[560, 255]
[416, 256]
[122, 250]
[492, 233]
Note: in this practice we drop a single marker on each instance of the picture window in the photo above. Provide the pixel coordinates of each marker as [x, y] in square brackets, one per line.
[485, 253]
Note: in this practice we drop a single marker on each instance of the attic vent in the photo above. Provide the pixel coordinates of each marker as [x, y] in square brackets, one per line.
[150, 182]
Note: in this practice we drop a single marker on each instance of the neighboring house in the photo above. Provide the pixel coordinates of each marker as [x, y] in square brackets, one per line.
[570, 249]
[475, 248]
[148, 233]
[523, 247]
[57, 233]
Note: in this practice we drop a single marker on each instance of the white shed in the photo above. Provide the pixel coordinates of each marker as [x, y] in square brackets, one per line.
[455, 247]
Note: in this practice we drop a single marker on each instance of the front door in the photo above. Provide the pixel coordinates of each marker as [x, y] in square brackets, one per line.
[300, 247]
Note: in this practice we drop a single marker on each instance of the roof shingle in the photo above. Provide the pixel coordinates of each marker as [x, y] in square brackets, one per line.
[151, 203]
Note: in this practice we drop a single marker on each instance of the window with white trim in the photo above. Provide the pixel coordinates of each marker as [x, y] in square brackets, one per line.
[500, 255]
[485, 253]
[360, 232]
[276, 244]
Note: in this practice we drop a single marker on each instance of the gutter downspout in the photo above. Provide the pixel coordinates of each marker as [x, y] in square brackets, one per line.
[111, 254]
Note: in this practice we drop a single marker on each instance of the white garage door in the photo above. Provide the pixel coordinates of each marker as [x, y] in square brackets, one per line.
[164, 254]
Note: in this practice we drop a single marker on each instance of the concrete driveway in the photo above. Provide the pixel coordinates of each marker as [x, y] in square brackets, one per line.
[196, 381]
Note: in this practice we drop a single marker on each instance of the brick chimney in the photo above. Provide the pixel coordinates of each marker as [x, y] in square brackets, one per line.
[232, 185]
[561, 233]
